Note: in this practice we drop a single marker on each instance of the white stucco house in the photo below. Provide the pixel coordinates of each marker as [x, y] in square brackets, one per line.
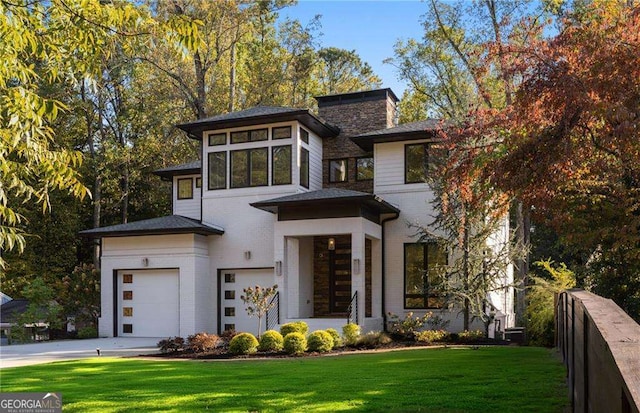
[318, 204]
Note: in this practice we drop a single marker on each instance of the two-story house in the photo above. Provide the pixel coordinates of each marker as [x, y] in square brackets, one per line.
[317, 204]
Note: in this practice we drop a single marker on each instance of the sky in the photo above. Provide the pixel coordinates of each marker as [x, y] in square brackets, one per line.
[371, 28]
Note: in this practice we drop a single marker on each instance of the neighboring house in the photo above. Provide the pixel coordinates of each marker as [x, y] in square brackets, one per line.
[317, 204]
[4, 298]
[10, 311]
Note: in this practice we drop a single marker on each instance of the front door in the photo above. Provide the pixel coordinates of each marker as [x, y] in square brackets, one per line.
[340, 275]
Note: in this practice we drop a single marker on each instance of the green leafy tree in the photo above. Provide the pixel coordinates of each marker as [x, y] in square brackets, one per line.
[41, 310]
[79, 294]
[259, 300]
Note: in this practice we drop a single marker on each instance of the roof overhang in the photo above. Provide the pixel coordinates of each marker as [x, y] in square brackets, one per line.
[317, 125]
[170, 225]
[366, 142]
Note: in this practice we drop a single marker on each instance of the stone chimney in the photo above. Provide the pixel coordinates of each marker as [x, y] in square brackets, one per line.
[354, 113]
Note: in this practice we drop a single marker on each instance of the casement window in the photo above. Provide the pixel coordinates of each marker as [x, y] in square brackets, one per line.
[250, 135]
[304, 136]
[364, 169]
[416, 162]
[216, 139]
[185, 188]
[198, 182]
[422, 262]
[217, 170]
[338, 170]
[283, 132]
[281, 165]
[304, 168]
[249, 167]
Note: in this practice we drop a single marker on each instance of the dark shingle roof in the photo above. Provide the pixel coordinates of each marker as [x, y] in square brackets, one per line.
[423, 129]
[172, 224]
[184, 169]
[259, 115]
[323, 197]
[10, 310]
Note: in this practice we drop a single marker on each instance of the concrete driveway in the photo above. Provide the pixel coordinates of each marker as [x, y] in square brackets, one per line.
[48, 351]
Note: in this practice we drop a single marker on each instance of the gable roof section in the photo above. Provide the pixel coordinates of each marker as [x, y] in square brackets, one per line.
[191, 168]
[172, 224]
[260, 115]
[326, 196]
[10, 310]
[424, 129]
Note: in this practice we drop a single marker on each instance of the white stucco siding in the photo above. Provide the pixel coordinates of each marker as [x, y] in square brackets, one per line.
[187, 207]
[188, 254]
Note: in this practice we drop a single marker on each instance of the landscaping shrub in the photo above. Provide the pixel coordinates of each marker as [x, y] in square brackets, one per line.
[373, 339]
[243, 343]
[436, 322]
[295, 343]
[350, 332]
[295, 327]
[320, 341]
[407, 327]
[432, 336]
[202, 342]
[226, 336]
[171, 345]
[271, 340]
[88, 332]
[469, 336]
[337, 340]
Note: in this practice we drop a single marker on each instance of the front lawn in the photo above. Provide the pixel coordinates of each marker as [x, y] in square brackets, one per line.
[498, 379]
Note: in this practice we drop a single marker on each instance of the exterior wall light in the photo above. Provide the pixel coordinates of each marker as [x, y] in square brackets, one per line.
[332, 244]
[278, 268]
[247, 255]
[356, 265]
[145, 262]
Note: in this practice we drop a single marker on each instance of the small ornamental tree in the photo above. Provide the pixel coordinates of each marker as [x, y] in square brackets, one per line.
[259, 301]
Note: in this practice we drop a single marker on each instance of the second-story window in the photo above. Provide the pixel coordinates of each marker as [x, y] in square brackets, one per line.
[281, 165]
[364, 169]
[338, 169]
[283, 132]
[304, 167]
[416, 162]
[304, 136]
[217, 170]
[217, 139]
[249, 167]
[185, 188]
[249, 135]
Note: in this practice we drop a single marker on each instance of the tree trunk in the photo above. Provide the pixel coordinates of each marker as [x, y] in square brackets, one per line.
[200, 85]
[232, 78]
[97, 197]
[522, 265]
[466, 275]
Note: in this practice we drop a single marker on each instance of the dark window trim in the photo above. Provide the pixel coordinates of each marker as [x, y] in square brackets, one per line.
[214, 134]
[248, 150]
[273, 135]
[250, 133]
[300, 130]
[305, 150]
[425, 295]
[406, 164]
[346, 167]
[273, 168]
[226, 171]
[190, 185]
[374, 165]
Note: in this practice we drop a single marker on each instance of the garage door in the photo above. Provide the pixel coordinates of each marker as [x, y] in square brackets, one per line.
[149, 303]
[233, 313]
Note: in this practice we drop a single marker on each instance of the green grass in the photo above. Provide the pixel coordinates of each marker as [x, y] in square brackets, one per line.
[490, 379]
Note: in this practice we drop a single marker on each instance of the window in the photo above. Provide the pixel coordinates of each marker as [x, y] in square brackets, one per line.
[338, 169]
[304, 167]
[185, 188]
[229, 278]
[416, 161]
[364, 169]
[127, 295]
[229, 327]
[127, 328]
[229, 294]
[421, 264]
[281, 165]
[249, 135]
[127, 278]
[304, 135]
[229, 311]
[217, 170]
[217, 139]
[198, 182]
[249, 167]
[127, 311]
[283, 132]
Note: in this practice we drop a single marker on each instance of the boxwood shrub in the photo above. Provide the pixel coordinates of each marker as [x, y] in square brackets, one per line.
[350, 332]
[295, 343]
[271, 340]
[337, 340]
[243, 343]
[320, 341]
[294, 327]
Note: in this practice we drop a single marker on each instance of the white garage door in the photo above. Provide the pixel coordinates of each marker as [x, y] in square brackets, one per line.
[149, 304]
[233, 311]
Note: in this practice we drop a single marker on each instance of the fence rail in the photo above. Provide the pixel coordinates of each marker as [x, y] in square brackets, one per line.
[352, 311]
[273, 315]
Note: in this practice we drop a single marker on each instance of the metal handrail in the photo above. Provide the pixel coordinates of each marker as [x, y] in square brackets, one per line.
[353, 308]
[273, 314]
